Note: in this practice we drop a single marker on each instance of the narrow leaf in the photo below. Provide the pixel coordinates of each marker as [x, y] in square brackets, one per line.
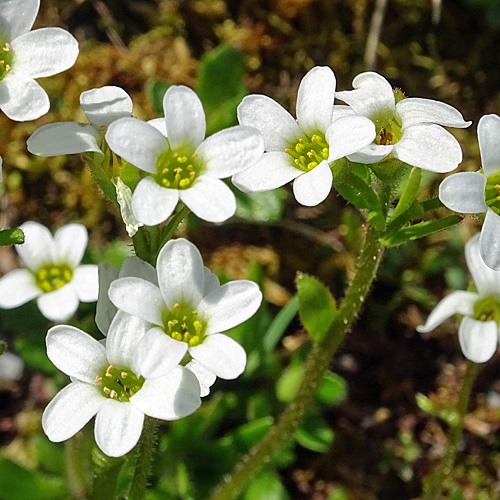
[409, 193]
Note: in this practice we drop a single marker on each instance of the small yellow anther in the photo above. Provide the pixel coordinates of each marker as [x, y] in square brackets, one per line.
[124, 374]
[182, 159]
[192, 174]
[184, 182]
[197, 326]
[177, 177]
[113, 394]
[194, 341]
[6, 47]
[176, 336]
[170, 324]
[7, 68]
[164, 171]
[311, 165]
[165, 183]
[98, 380]
[109, 369]
[299, 147]
[107, 390]
[176, 306]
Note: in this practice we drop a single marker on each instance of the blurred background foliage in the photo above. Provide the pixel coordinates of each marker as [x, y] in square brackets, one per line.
[380, 420]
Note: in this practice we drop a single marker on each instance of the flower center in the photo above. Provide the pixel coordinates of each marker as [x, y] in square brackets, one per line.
[309, 152]
[389, 128]
[492, 192]
[177, 169]
[6, 57]
[183, 324]
[488, 309]
[119, 384]
[52, 277]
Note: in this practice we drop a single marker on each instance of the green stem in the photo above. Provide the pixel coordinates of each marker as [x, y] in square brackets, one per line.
[74, 459]
[172, 226]
[11, 237]
[438, 478]
[317, 364]
[106, 470]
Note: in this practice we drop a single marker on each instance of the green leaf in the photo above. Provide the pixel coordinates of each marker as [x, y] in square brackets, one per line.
[409, 193]
[315, 435]
[3, 347]
[290, 380]
[248, 434]
[425, 404]
[280, 324]
[34, 356]
[155, 90]
[332, 389]
[260, 207]
[11, 237]
[97, 165]
[317, 307]
[267, 485]
[50, 455]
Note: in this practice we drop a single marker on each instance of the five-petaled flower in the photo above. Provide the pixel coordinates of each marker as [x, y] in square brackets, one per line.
[26, 55]
[53, 275]
[119, 383]
[179, 163]
[479, 329]
[476, 192]
[302, 149]
[409, 128]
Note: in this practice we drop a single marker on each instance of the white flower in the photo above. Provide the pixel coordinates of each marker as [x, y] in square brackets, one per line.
[409, 129]
[26, 55]
[302, 149]
[53, 275]
[184, 166]
[189, 308]
[479, 328]
[119, 383]
[101, 106]
[11, 367]
[476, 192]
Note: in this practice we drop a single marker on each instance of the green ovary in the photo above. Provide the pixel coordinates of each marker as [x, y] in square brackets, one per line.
[309, 152]
[177, 169]
[6, 58]
[119, 383]
[389, 129]
[488, 309]
[53, 276]
[492, 192]
[183, 324]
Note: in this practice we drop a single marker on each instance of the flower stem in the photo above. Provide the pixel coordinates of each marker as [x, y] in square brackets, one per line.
[74, 460]
[106, 470]
[317, 364]
[435, 484]
[172, 226]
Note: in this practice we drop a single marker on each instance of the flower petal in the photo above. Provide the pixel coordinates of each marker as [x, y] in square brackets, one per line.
[70, 243]
[85, 282]
[205, 378]
[64, 138]
[118, 427]
[58, 305]
[135, 267]
[458, 302]
[17, 17]
[489, 241]
[105, 105]
[429, 147]
[311, 188]
[105, 310]
[159, 124]
[315, 99]
[373, 96]
[417, 110]
[349, 135]
[170, 397]
[478, 339]
[229, 305]
[44, 52]
[38, 247]
[488, 131]
[11, 367]
[70, 410]
[230, 151]
[137, 142]
[138, 297]
[371, 154]
[17, 288]
[181, 273]
[184, 117]
[152, 203]
[76, 353]
[487, 280]
[464, 192]
[211, 282]
[209, 199]
[220, 355]
[275, 123]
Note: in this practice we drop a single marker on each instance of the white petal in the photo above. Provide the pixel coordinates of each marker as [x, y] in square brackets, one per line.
[17, 288]
[159, 124]
[273, 170]
[464, 192]
[430, 147]
[205, 378]
[373, 96]
[17, 17]
[70, 243]
[209, 199]
[373, 153]
[220, 355]
[277, 126]
[70, 410]
[104, 105]
[181, 273]
[184, 117]
[38, 247]
[157, 354]
[488, 132]
[349, 135]
[105, 310]
[136, 142]
[231, 151]
[211, 282]
[458, 302]
[341, 111]
[138, 297]
[85, 282]
[118, 427]
[417, 110]
[311, 188]
[58, 305]
[124, 198]
[152, 203]
[125, 333]
[170, 397]
[64, 138]
[76, 353]
[487, 280]
[21, 98]
[11, 367]
[44, 52]
[489, 242]
[229, 305]
[134, 267]
[315, 99]
[478, 339]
